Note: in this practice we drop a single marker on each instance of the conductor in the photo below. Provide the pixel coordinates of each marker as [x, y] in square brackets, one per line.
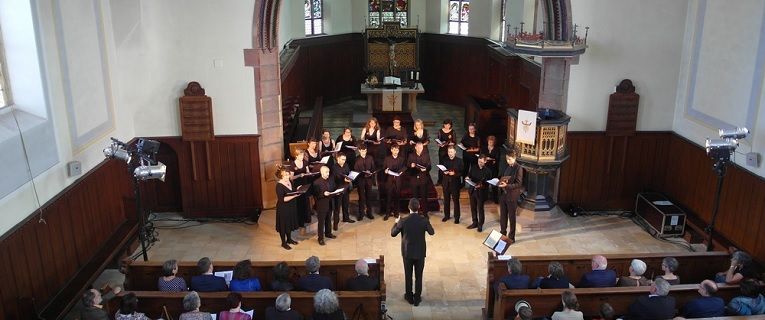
[412, 228]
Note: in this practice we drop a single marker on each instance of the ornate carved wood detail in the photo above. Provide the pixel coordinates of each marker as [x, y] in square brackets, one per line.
[196, 114]
[392, 49]
[623, 110]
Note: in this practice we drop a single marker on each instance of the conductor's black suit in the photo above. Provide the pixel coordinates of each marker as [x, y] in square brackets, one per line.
[412, 229]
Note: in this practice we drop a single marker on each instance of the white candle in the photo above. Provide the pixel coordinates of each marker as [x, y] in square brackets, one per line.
[417, 76]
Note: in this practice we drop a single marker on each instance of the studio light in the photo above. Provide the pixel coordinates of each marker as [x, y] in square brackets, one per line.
[737, 133]
[149, 172]
[116, 151]
[721, 149]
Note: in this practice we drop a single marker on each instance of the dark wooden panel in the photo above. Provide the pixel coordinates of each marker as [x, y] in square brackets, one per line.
[46, 265]
[221, 178]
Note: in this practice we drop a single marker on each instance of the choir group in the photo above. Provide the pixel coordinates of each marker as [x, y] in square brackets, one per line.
[319, 178]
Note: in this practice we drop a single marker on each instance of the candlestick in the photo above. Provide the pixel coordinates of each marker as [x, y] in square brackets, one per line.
[417, 76]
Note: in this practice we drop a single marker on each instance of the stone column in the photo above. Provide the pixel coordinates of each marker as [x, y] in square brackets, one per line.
[268, 105]
[553, 89]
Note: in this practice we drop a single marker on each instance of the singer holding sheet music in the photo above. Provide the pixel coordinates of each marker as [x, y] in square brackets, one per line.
[419, 135]
[393, 166]
[373, 139]
[451, 184]
[348, 146]
[365, 166]
[322, 192]
[313, 153]
[478, 186]
[419, 169]
[511, 187]
[492, 161]
[286, 208]
[471, 146]
[445, 139]
[340, 171]
[301, 176]
[396, 135]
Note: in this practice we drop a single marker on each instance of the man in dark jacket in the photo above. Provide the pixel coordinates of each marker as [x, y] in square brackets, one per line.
[313, 281]
[706, 306]
[599, 277]
[207, 281]
[412, 229]
[657, 305]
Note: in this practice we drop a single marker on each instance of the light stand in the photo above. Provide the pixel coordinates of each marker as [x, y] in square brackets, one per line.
[142, 165]
[719, 169]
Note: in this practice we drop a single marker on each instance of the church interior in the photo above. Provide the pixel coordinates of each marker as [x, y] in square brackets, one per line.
[139, 137]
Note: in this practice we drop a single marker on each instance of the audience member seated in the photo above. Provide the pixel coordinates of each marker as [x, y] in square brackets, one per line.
[751, 302]
[599, 277]
[281, 280]
[669, 265]
[555, 280]
[313, 281]
[234, 300]
[570, 304]
[514, 279]
[281, 310]
[657, 305]
[93, 309]
[707, 305]
[636, 278]
[169, 281]
[525, 313]
[206, 281]
[128, 307]
[191, 303]
[362, 281]
[326, 306]
[606, 312]
[242, 280]
[740, 268]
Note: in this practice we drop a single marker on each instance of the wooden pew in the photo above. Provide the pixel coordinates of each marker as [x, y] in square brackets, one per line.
[694, 267]
[546, 301]
[152, 302]
[143, 275]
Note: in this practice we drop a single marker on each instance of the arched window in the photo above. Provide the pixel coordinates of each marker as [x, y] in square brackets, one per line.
[313, 17]
[388, 10]
[459, 13]
[5, 96]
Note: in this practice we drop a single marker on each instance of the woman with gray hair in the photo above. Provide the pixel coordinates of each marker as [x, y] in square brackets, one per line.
[740, 269]
[636, 278]
[169, 281]
[669, 265]
[282, 310]
[326, 306]
[191, 304]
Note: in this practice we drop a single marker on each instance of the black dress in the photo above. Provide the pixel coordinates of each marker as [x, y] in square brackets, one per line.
[373, 149]
[286, 212]
[350, 153]
[424, 139]
[304, 215]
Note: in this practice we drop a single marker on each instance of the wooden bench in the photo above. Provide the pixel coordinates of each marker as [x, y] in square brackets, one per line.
[368, 303]
[546, 301]
[143, 275]
[694, 267]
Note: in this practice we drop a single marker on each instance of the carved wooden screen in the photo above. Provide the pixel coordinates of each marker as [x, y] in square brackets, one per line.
[392, 50]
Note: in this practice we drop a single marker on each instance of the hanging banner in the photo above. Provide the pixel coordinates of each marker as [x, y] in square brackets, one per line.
[526, 132]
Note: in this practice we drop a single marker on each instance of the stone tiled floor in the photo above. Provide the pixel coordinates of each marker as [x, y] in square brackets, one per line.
[455, 271]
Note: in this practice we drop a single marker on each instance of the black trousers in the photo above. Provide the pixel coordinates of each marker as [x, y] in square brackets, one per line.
[477, 198]
[508, 204]
[324, 226]
[392, 194]
[364, 189]
[420, 191]
[415, 265]
[451, 195]
[342, 201]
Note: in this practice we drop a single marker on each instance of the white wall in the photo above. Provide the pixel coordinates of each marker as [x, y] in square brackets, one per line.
[178, 41]
[627, 40]
[722, 75]
[484, 19]
[291, 23]
[338, 17]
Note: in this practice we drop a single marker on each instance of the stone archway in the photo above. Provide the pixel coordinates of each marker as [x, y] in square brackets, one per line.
[263, 57]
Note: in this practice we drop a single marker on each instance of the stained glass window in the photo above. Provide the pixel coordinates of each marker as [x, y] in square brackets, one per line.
[388, 10]
[459, 14]
[313, 18]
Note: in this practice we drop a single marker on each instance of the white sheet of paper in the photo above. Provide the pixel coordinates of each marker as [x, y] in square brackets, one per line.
[338, 146]
[492, 239]
[471, 183]
[353, 175]
[441, 167]
[500, 246]
[214, 316]
[662, 203]
[339, 190]
[439, 141]
[251, 313]
[461, 146]
[228, 275]
[324, 159]
[370, 260]
[493, 182]
[395, 174]
[504, 257]
[674, 220]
